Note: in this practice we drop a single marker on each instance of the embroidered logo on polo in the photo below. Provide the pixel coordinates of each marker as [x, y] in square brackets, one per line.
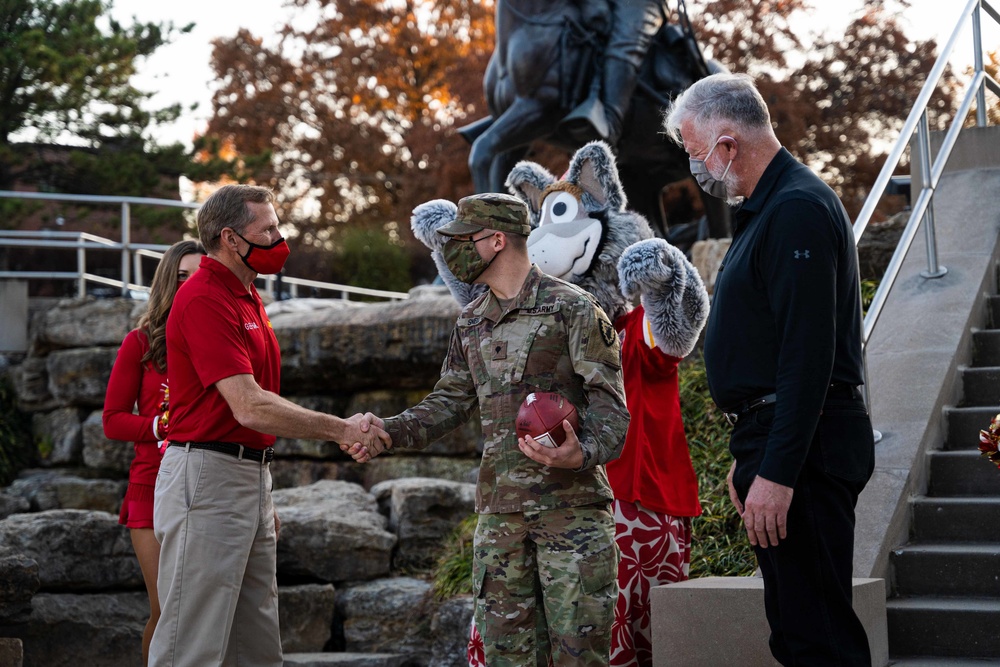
[250, 326]
[801, 254]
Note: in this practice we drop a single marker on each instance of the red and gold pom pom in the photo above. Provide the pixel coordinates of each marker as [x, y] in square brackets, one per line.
[989, 440]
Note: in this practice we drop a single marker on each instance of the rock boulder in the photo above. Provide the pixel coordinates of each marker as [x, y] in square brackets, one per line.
[332, 531]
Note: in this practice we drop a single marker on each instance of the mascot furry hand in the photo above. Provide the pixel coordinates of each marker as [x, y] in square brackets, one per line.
[582, 233]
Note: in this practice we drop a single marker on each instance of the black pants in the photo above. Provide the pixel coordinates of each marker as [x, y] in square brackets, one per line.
[807, 577]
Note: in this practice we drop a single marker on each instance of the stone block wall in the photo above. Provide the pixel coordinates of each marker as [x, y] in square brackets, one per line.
[76, 591]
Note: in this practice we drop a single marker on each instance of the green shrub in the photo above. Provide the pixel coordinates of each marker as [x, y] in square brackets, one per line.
[16, 450]
[719, 543]
[453, 574]
[719, 546]
[369, 259]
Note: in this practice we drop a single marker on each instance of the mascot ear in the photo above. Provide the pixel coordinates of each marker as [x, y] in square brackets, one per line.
[527, 181]
[428, 218]
[593, 169]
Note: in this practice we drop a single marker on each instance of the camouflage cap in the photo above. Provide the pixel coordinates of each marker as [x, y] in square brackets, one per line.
[492, 210]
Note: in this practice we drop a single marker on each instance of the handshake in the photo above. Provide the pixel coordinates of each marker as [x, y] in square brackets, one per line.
[364, 437]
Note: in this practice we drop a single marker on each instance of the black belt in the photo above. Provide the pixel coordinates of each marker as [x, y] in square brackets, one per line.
[231, 448]
[835, 390]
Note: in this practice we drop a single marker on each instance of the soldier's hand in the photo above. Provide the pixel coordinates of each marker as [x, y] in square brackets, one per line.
[567, 455]
[369, 438]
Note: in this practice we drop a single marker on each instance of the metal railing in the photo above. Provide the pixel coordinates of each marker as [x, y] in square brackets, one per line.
[930, 173]
[132, 278]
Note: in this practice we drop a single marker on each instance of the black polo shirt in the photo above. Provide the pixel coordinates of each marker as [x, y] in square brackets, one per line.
[786, 312]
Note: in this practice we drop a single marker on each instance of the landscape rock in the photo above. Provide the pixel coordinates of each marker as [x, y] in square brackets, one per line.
[399, 466]
[71, 323]
[877, 245]
[332, 531]
[317, 449]
[387, 615]
[80, 376]
[58, 489]
[422, 513]
[71, 630]
[76, 550]
[102, 453]
[451, 625]
[18, 584]
[12, 504]
[465, 440]
[344, 350]
[59, 436]
[31, 384]
[305, 617]
[288, 473]
[707, 256]
[11, 652]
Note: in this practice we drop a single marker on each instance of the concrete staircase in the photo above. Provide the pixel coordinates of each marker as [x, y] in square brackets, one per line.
[945, 603]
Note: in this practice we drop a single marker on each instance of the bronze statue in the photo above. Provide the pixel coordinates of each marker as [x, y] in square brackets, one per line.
[573, 70]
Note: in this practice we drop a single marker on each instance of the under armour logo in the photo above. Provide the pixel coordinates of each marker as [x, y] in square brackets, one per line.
[801, 254]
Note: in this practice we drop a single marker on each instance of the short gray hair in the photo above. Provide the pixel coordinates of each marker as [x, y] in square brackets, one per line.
[227, 207]
[719, 97]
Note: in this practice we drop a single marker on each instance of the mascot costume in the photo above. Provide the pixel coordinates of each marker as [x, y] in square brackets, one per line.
[582, 233]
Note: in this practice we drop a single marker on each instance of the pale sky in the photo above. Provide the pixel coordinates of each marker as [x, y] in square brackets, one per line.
[181, 73]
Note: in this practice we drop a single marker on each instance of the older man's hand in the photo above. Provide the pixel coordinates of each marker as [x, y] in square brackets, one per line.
[364, 437]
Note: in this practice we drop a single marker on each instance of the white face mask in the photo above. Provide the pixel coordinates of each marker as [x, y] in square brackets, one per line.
[710, 184]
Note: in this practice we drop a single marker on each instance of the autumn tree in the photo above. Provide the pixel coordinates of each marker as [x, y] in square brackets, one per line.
[353, 119]
[356, 115]
[992, 67]
[843, 99]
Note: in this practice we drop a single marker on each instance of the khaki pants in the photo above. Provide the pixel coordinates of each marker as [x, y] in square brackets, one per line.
[214, 519]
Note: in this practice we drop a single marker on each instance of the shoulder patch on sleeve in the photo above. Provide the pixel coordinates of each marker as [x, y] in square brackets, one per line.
[602, 343]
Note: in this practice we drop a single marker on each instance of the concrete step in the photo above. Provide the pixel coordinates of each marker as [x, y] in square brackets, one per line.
[948, 570]
[956, 520]
[962, 473]
[964, 425]
[986, 347]
[944, 627]
[941, 662]
[347, 660]
[993, 303]
[981, 386]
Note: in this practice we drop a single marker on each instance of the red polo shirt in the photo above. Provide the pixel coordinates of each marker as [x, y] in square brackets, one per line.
[217, 329]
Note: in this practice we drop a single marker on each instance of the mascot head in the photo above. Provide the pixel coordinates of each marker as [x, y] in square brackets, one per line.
[581, 227]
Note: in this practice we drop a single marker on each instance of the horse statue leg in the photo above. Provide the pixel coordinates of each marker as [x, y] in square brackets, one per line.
[507, 138]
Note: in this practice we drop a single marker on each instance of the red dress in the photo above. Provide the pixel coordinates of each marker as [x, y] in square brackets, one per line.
[134, 383]
[656, 490]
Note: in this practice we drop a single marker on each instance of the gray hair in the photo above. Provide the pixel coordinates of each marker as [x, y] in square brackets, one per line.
[719, 97]
[227, 207]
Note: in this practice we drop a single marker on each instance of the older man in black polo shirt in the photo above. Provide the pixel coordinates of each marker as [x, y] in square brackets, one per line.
[783, 356]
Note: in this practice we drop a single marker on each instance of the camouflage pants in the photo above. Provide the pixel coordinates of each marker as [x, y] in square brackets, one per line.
[546, 585]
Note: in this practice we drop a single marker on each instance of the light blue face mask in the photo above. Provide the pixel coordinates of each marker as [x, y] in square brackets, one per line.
[710, 184]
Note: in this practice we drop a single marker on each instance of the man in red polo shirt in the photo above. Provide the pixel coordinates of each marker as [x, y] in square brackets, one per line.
[212, 510]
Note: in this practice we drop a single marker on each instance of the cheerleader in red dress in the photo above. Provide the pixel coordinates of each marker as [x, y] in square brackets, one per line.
[139, 380]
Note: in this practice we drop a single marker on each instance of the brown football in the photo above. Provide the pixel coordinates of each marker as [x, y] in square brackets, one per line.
[541, 416]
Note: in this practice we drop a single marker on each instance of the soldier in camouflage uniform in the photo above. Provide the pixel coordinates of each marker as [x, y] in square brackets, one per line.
[545, 560]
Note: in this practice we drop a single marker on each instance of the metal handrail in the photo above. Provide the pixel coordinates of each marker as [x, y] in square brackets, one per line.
[930, 173]
[132, 253]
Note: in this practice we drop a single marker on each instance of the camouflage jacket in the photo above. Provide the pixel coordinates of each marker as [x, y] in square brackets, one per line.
[552, 337]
